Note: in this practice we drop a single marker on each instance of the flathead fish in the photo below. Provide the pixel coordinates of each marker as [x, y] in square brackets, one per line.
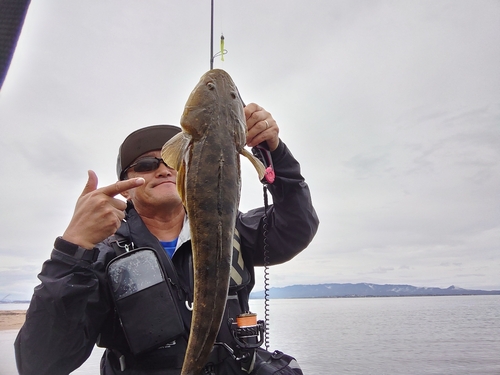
[206, 157]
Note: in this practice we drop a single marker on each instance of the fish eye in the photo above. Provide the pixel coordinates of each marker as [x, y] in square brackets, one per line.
[233, 95]
[210, 85]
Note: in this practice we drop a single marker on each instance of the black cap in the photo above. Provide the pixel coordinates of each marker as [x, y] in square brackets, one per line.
[141, 141]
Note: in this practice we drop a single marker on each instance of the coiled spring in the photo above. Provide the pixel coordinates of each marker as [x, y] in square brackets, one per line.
[266, 270]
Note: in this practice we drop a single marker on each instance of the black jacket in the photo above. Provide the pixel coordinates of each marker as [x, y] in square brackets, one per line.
[72, 309]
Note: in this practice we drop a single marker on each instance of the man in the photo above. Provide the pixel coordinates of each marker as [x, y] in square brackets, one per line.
[73, 309]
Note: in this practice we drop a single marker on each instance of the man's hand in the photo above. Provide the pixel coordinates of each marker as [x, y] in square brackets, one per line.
[98, 214]
[261, 127]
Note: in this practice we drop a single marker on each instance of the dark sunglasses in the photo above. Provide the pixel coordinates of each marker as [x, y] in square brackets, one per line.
[147, 164]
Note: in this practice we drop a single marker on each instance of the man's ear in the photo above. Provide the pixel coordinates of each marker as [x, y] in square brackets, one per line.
[125, 194]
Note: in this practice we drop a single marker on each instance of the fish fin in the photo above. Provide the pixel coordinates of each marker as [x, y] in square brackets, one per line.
[181, 183]
[173, 151]
[261, 170]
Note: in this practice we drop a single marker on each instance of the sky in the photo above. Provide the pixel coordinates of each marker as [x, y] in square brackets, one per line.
[391, 107]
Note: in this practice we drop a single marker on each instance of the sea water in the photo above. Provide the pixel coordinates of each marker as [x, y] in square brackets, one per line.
[457, 335]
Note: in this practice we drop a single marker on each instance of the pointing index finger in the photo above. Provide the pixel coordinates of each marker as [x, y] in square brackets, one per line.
[121, 186]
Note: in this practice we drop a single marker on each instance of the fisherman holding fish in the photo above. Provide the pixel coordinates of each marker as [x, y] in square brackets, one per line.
[121, 275]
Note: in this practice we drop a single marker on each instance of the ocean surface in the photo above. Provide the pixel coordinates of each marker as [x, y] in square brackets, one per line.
[457, 335]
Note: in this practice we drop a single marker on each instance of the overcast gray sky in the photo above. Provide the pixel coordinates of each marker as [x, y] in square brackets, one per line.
[391, 107]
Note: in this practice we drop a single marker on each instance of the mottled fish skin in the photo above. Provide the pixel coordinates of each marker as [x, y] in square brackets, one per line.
[206, 156]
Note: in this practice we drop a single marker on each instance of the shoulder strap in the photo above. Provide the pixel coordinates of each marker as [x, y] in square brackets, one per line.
[120, 244]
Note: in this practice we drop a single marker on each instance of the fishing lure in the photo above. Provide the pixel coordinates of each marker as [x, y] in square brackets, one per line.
[222, 47]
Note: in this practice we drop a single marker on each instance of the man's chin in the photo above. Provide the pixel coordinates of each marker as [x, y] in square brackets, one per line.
[166, 190]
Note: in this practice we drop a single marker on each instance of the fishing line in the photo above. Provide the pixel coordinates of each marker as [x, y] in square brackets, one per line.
[222, 50]
[212, 35]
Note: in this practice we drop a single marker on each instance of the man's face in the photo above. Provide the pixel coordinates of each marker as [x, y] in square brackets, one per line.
[159, 188]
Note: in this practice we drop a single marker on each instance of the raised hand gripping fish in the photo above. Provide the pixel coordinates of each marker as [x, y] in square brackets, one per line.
[206, 157]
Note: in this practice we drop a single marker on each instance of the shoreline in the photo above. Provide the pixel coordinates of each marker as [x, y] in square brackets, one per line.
[12, 319]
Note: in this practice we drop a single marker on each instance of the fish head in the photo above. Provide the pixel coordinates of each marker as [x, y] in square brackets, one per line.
[215, 96]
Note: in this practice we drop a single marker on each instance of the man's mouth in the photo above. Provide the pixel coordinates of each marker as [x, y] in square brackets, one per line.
[164, 182]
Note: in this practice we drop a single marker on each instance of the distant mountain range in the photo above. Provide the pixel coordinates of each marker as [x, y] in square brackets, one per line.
[365, 290]
[355, 290]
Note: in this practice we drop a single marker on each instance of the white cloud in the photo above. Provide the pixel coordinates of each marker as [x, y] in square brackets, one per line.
[392, 108]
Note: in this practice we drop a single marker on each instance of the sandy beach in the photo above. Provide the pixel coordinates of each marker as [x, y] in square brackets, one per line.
[10, 323]
[11, 319]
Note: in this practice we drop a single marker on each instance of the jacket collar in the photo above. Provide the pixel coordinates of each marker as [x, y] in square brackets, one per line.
[134, 229]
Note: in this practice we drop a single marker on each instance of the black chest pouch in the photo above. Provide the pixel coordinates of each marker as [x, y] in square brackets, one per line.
[144, 300]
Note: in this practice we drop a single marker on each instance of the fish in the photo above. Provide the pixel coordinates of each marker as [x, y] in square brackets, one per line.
[206, 155]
